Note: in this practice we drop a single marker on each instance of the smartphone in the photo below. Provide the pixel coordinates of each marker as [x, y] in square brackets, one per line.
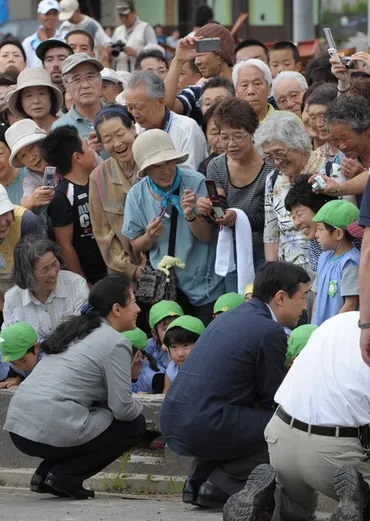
[49, 177]
[208, 45]
[213, 195]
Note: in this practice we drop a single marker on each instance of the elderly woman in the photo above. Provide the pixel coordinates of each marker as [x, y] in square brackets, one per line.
[75, 410]
[109, 186]
[252, 81]
[240, 174]
[44, 295]
[149, 216]
[286, 145]
[36, 98]
[288, 89]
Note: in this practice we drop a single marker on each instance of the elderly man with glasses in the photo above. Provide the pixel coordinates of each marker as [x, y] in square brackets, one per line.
[288, 89]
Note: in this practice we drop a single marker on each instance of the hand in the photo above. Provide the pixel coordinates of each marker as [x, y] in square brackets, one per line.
[228, 219]
[365, 345]
[93, 142]
[42, 196]
[204, 206]
[331, 186]
[130, 51]
[351, 168]
[11, 382]
[155, 228]
[340, 71]
[185, 50]
[188, 202]
[364, 59]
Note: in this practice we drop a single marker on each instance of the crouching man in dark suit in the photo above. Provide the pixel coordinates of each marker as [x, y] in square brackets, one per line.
[222, 399]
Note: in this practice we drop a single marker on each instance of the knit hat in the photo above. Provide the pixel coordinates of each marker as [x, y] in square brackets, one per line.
[228, 301]
[137, 337]
[16, 340]
[297, 341]
[213, 30]
[192, 324]
[338, 213]
[164, 309]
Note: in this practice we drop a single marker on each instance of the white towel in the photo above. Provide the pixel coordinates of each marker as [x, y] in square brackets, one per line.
[225, 258]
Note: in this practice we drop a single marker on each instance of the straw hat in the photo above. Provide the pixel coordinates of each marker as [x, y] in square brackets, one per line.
[21, 134]
[153, 147]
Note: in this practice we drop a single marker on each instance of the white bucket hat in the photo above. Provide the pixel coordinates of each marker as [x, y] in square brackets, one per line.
[153, 147]
[21, 134]
[33, 77]
[5, 203]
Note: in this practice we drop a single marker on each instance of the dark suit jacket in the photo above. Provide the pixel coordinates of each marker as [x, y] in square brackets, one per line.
[222, 398]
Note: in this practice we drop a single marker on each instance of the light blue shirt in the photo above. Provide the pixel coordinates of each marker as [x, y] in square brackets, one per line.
[144, 383]
[15, 189]
[161, 357]
[172, 370]
[198, 279]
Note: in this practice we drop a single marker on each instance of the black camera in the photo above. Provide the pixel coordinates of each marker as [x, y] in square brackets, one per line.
[117, 48]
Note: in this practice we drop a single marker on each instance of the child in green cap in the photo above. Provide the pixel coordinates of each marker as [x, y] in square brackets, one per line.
[160, 316]
[297, 341]
[227, 302]
[336, 285]
[20, 351]
[179, 339]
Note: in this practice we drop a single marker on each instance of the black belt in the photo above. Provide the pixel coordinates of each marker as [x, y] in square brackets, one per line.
[339, 432]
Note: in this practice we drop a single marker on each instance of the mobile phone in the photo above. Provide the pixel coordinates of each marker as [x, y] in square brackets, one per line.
[208, 45]
[214, 198]
[49, 177]
[161, 213]
[332, 50]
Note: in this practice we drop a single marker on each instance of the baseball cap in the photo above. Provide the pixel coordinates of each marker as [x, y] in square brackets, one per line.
[338, 213]
[298, 340]
[125, 7]
[164, 309]
[16, 340]
[109, 75]
[228, 301]
[192, 324]
[67, 9]
[76, 59]
[5, 203]
[44, 46]
[137, 337]
[47, 5]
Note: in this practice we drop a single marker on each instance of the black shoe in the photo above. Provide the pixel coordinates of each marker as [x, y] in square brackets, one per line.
[256, 497]
[38, 485]
[71, 491]
[353, 493]
[210, 496]
[190, 491]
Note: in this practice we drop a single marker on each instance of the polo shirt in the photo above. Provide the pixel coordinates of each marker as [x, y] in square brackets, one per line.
[270, 111]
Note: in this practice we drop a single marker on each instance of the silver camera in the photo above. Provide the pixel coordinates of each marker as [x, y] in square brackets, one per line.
[319, 184]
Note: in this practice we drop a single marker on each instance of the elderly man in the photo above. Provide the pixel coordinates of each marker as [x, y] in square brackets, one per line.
[146, 101]
[48, 18]
[53, 53]
[133, 33]
[111, 85]
[81, 41]
[252, 81]
[288, 88]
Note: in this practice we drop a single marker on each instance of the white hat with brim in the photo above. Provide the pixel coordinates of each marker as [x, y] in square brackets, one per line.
[21, 134]
[67, 9]
[5, 203]
[154, 147]
[110, 75]
[33, 77]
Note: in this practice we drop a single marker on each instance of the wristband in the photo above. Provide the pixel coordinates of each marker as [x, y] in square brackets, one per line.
[191, 220]
[363, 325]
[345, 90]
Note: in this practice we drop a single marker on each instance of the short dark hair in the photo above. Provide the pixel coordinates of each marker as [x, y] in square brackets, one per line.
[118, 111]
[218, 81]
[249, 42]
[150, 53]
[193, 66]
[323, 95]
[203, 14]
[208, 115]
[308, 93]
[61, 156]
[53, 100]
[285, 44]
[319, 69]
[301, 193]
[236, 113]
[85, 33]
[16, 43]
[178, 335]
[3, 129]
[347, 236]
[278, 276]
[352, 110]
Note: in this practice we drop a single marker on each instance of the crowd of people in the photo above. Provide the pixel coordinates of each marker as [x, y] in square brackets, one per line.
[195, 225]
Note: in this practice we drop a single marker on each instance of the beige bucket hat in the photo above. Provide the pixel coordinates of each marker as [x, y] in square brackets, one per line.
[21, 134]
[153, 147]
[33, 77]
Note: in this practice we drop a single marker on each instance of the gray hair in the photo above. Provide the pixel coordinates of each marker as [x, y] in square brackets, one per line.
[255, 63]
[154, 86]
[290, 75]
[28, 250]
[284, 127]
[353, 110]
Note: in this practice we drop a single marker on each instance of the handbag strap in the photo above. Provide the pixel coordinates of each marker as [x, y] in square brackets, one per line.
[173, 228]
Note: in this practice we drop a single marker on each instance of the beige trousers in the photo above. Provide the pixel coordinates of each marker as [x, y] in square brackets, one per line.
[305, 465]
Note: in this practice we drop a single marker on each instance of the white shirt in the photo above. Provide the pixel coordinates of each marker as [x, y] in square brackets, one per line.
[70, 294]
[137, 37]
[30, 45]
[329, 383]
[187, 137]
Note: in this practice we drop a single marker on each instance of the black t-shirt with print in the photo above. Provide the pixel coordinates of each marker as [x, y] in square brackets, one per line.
[70, 204]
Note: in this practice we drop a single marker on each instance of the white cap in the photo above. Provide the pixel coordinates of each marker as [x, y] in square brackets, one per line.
[67, 9]
[110, 75]
[47, 5]
[5, 203]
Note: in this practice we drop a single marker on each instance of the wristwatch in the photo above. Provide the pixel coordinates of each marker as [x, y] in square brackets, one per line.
[363, 325]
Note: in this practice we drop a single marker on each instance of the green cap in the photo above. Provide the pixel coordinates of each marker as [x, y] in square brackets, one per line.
[137, 338]
[189, 323]
[164, 309]
[338, 213]
[297, 341]
[228, 301]
[16, 340]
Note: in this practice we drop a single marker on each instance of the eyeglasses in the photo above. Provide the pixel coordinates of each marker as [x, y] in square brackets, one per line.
[280, 159]
[238, 138]
[79, 80]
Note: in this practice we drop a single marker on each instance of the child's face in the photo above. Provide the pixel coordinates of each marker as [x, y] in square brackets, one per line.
[328, 240]
[160, 329]
[27, 362]
[180, 352]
